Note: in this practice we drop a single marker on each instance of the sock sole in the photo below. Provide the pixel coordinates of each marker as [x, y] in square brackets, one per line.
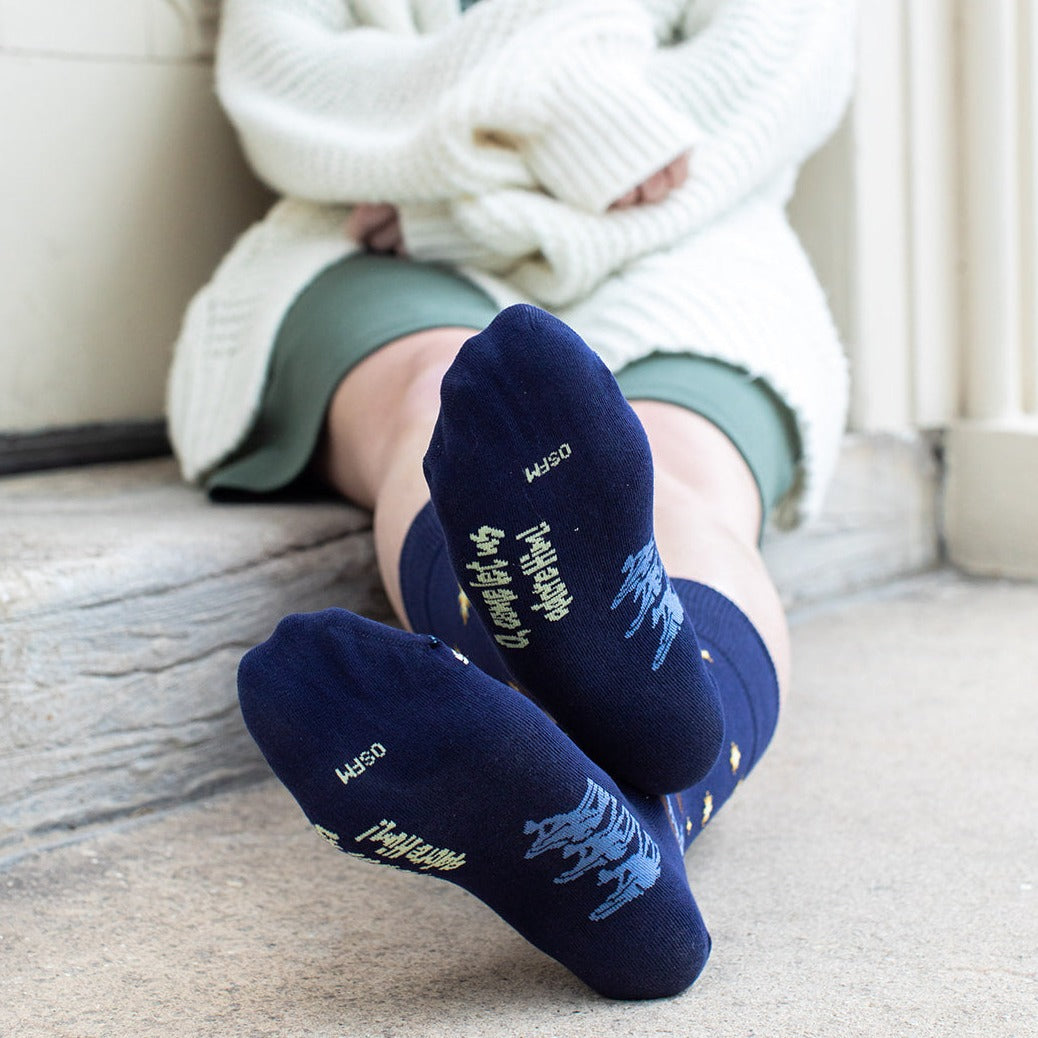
[541, 477]
[401, 752]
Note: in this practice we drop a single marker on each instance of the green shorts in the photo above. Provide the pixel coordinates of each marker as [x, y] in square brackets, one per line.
[363, 302]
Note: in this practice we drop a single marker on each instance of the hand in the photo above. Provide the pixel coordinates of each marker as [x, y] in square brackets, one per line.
[658, 186]
[376, 227]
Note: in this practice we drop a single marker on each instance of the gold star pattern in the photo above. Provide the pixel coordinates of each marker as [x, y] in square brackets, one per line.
[708, 808]
[706, 656]
[688, 825]
[734, 757]
[463, 606]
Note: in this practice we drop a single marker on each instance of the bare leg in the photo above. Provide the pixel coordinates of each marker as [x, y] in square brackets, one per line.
[707, 517]
[707, 508]
[377, 430]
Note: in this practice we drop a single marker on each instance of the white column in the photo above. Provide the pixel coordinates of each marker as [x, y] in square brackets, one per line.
[1029, 221]
[933, 193]
[879, 333]
[903, 293]
[992, 208]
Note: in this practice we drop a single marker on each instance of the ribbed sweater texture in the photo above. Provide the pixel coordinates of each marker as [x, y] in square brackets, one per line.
[502, 135]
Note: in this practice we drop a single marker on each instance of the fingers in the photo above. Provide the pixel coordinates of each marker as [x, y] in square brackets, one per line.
[678, 171]
[387, 238]
[658, 186]
[366, 218]
[376, 227]
[631, 198]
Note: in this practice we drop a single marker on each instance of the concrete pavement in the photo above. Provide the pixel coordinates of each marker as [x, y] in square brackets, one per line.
[877, 875]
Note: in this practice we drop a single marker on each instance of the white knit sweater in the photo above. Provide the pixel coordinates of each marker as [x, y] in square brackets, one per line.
[503, 135]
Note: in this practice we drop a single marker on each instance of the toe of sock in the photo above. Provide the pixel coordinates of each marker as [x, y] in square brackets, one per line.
[524, 319]
[668, 969]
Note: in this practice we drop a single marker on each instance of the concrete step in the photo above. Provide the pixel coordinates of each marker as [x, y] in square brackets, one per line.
[126, 600]
[875, 876]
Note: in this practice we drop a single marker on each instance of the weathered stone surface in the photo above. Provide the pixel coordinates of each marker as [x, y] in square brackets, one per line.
[880, 522]
[126, 600]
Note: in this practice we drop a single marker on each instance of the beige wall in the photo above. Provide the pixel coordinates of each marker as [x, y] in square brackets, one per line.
[121, 186]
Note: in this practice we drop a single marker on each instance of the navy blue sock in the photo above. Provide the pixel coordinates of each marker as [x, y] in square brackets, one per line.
[748, 686]
[737, 659]
[400, 751]
[435, 602]
[542, 480]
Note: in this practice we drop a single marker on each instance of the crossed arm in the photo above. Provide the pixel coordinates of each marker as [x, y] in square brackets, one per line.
[377, 226]
[380, 117]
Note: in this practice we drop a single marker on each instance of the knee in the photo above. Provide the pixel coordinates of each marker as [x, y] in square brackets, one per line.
[697, 464]
[722, 499]
[432, 353]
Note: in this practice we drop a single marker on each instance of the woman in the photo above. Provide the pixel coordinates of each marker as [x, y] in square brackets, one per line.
[600, 465]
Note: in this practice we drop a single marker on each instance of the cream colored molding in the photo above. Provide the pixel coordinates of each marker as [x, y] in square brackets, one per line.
[1029, 209]
[879, 336]
[933, 186]
[991, 507]
[939, 299]
[992, 200]
[161, 30]
[904, 239]
[991, 497]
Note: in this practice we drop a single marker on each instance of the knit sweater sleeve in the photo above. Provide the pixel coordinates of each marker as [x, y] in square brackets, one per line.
[333, 109]
[605, 127]
[402, 109]
[764, 82]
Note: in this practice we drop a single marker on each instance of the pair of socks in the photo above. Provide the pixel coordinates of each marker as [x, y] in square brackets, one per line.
[535, 572]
